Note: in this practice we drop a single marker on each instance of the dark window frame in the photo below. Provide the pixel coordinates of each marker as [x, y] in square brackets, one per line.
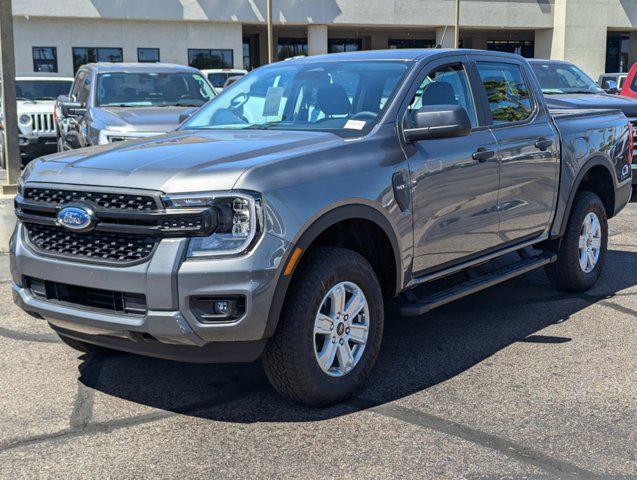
[342, 41]
[96, 55]
[36, 62]
[210, 55]
[292, 41]
[399, 43]
[148, 61]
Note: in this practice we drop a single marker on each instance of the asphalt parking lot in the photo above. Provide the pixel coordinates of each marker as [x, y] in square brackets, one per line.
[519, 381]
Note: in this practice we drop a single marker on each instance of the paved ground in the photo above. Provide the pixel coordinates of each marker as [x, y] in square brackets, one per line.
[519, 381]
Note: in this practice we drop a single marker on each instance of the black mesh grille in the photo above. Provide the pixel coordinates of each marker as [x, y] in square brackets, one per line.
[100, 246]
[115, 201]
[182, 223]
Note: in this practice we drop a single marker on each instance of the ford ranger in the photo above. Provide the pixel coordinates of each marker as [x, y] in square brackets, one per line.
[284, 219]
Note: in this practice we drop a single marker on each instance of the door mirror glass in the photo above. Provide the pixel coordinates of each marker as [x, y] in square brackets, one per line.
[438, 121]
[610, 86]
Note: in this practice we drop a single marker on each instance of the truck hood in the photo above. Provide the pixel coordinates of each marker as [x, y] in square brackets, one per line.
[601, 100]
[183, 161]
[140, 119]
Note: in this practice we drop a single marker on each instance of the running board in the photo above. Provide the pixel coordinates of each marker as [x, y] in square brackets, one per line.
[415, 306]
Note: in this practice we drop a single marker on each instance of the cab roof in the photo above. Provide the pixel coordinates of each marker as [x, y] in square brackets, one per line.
[107, 67]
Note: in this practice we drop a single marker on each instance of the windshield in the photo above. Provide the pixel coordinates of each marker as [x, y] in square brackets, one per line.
[41, 89]
[152, 89]
[218, 80]
[343, 97]
[556, 78]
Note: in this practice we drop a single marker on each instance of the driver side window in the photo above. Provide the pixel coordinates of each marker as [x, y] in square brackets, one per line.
[448, 85]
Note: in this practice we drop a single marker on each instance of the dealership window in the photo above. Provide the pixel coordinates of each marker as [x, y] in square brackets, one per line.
[148, 55]
[339, 45]
[411, 43]
[526, 48]
[210, 58]
[84, 55]
[45, 59]
[291, 47]
[617, 47]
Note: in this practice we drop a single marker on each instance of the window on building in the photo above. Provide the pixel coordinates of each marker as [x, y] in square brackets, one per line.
[617, 47]
[148, 55]
[338, 45]
[204, 58]
[507, 92]
[411, 43]
[84, 55]
[45, 59]
[526, 48]
[291, 47]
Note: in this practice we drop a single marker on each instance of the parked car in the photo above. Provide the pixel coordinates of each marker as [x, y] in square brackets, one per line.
[612, 82]
[219, 76]
[35, 97]
[284, 216]
[629, 88]
[113, 102]
[565, 86]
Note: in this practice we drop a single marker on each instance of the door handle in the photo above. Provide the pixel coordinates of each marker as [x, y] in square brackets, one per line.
[483, 154]
[543, 143]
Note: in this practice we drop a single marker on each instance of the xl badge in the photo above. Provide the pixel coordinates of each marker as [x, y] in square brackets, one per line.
[78, 219]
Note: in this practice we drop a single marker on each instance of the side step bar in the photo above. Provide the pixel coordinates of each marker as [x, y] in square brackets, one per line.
[417, 306]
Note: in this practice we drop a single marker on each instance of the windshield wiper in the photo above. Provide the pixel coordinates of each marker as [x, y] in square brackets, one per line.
[263, 126]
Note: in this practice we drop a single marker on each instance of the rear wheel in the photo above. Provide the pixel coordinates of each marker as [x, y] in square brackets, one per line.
[583, 248]
[85, 347]
[330, 331]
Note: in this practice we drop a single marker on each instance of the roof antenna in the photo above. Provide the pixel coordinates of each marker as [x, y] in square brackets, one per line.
[442, 38]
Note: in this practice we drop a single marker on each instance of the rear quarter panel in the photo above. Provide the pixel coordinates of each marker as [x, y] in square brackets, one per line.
[589, 138]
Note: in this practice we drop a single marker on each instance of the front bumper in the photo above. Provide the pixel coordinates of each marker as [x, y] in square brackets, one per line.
[169, 329]
[37, 145]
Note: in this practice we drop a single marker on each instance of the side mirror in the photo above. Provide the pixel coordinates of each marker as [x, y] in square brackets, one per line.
[438, 121]
[185, 116]
[72, 109]
[610, 86]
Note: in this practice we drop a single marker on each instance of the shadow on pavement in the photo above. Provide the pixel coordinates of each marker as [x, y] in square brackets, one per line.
[416, 354]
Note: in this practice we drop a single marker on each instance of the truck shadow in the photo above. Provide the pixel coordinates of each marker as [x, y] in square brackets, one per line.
[416, 354]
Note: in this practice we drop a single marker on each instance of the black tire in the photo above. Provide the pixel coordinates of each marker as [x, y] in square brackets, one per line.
[289, 358]
[85, 347]
[567, 274]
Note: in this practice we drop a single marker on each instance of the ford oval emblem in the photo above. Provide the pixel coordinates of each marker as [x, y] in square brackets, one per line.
[79, 219]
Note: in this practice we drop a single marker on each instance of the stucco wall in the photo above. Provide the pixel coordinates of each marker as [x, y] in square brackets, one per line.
[172, 38]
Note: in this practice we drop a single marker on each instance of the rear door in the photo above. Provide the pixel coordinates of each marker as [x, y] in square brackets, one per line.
[454, 180]
[528, 147]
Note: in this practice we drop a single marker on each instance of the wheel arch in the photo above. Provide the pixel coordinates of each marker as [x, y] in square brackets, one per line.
[593, 176]
[312, 232]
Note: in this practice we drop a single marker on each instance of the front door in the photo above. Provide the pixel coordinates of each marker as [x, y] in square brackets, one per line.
[454, 180]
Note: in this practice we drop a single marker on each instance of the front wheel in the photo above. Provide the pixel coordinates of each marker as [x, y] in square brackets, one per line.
[583, 247]
[330, 331]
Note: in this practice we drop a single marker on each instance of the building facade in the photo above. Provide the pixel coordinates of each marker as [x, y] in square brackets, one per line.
[59, 35]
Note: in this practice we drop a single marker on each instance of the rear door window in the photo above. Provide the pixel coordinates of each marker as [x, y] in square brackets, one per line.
[507, 92]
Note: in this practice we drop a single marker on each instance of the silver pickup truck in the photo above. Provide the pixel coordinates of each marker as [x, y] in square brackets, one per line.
[287, 216]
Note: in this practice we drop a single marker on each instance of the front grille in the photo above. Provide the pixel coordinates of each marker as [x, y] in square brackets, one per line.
[634, 124]
[42, 123]
[98, 246]
[115, 201]
[109, 300]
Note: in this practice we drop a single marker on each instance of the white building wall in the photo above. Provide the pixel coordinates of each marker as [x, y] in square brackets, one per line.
[172, 38]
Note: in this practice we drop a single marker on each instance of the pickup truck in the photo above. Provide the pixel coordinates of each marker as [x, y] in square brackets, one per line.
[287, 216]
[115, 102]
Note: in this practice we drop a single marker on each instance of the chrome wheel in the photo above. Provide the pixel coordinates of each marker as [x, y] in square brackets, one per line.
[590, 242]
[341, 328]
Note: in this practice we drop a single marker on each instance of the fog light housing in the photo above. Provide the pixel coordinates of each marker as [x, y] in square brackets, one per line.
[217, 309]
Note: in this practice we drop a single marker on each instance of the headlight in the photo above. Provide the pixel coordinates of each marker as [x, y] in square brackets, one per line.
[239, 221]
[24, 119]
